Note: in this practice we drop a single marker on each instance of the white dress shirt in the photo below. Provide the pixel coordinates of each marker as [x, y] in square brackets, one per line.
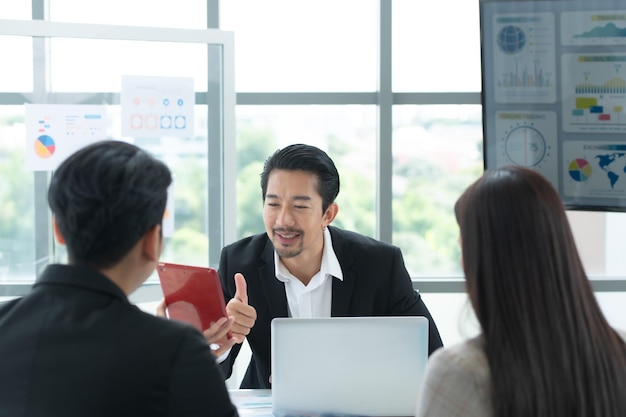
[314, 299]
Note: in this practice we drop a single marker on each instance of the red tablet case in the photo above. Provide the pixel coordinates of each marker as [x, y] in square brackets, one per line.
[192, 294]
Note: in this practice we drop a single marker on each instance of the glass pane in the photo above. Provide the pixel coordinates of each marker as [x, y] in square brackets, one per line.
[93, 66]
[307, 46]
[437, 153]
[615, 226]
[592, 236]
[17, 201]
[79, 65]
[456, 320]
[347, 133]
[187, 158]
[612, 304]
[436, 46]
[16, 9]
[188, 14]
[599, 238]
[16, 72]
[453, 314]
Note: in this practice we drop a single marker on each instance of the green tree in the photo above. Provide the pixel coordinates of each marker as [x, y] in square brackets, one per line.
[190, 193]
[254, 146]
[187, 246]
[17, 207]
[423, 223]
[249, 200]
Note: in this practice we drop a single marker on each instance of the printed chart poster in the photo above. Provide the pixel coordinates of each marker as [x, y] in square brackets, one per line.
[55, 131]
[528, 138]
[524, 58]
[594, 169]
[594, 93]
[157, 106]
[593, 28]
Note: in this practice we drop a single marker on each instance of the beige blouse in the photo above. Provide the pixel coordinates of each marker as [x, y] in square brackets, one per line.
[457, 382]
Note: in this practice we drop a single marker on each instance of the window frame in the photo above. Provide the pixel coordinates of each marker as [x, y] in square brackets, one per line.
[219, 98]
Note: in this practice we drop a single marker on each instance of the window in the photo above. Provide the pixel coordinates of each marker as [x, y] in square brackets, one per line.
[405, 130]
[436, 46]
[188, 14]
[346, 133]
[16, 77]
[312, 46]
[437, 153]
[77, 76]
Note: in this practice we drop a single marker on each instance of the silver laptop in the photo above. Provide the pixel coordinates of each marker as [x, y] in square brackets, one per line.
[365, 366]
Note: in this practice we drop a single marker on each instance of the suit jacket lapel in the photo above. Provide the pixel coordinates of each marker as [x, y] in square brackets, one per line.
[342, 290]
[274, 289]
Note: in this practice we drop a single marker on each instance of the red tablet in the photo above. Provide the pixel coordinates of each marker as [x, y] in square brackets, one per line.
[192, 294]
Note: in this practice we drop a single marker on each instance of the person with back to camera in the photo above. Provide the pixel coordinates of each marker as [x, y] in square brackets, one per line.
[545, 348]
[74, 345]
[303, 267]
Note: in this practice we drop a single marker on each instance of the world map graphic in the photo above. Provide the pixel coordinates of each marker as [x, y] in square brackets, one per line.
[614, 165]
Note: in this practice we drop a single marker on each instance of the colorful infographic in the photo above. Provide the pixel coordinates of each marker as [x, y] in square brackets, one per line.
[44, 146]
[524, 58]
[528, 138]
[554, 95]
[594, 169]
[593, 28]
[55, 131]
[594, 92]
[157, 106]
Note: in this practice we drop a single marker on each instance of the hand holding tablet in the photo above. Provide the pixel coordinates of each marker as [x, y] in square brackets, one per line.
[192, 294]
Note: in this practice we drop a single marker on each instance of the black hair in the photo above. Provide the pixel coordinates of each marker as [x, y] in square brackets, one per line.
[300, 157]
[105, 197]
[550, 349]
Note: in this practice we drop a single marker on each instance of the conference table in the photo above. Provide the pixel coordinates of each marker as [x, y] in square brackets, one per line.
[258, 403]
[252, 402]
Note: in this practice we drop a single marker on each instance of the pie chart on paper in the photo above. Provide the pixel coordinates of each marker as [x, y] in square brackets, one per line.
[44, 146]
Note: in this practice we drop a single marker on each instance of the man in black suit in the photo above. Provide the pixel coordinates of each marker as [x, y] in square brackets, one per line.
[302, 267]
[74, 345]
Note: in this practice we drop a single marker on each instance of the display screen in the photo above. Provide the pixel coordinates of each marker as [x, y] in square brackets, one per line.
[554, 95]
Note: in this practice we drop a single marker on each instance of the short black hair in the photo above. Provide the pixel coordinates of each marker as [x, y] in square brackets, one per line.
[105, 197]
[300, 157]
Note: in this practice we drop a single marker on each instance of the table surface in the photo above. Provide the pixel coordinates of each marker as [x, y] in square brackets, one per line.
[252, 402]
[258, 403]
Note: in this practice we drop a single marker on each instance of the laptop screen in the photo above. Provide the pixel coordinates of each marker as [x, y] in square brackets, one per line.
[367, 366]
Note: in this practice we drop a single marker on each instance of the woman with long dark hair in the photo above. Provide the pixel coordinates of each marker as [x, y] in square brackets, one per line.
[546, 348]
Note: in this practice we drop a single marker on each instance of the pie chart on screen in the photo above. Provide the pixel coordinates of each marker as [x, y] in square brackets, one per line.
[44, 146]
[579, 169]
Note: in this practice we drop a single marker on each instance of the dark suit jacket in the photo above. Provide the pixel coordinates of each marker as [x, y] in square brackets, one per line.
[375, 283]
[75, 346]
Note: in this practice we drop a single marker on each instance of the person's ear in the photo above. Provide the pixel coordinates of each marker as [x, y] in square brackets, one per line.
[152, 243]
[330, 214]
[57, 232]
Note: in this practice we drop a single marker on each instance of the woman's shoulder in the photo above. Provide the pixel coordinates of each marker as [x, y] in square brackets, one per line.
[456, 382]
[467, 356]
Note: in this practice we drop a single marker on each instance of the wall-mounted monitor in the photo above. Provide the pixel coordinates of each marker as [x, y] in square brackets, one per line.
[554, 95]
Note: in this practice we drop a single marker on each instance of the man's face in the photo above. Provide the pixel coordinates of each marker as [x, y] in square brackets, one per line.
[292, 213]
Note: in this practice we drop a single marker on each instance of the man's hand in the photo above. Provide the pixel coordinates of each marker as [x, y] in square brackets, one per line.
[160, 311]
[216, 337]
[238, 307]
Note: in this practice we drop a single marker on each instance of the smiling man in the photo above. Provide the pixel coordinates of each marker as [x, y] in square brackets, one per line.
[303, 267]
